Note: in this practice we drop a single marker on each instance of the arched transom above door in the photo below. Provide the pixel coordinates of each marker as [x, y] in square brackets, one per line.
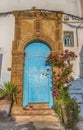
[33, 25]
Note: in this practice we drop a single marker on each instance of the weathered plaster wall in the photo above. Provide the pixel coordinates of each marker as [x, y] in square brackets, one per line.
[71, 6]
[6, 37]
[78, 44]
[7, 24]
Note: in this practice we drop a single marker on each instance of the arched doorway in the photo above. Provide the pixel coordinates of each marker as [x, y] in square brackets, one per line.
[37, 75]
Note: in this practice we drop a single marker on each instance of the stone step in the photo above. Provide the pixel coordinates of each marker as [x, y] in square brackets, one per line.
[38, 105]
[29, 118]
[30, 111]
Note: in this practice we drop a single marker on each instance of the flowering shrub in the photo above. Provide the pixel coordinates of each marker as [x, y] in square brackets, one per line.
[62, 69]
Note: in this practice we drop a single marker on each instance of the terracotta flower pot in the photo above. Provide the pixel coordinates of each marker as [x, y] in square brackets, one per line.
[5, 107]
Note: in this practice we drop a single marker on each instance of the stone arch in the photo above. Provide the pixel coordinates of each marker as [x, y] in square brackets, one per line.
[24, 42]
[29, 27]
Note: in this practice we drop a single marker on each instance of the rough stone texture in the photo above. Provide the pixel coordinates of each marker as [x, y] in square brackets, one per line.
[53, 118]
[33, 25]
[33, 123]
[30, 111]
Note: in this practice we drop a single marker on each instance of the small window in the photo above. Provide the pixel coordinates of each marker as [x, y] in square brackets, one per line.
[68, 39]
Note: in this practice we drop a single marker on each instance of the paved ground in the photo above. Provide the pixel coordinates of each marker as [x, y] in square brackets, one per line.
[11, 124]
[80, 125]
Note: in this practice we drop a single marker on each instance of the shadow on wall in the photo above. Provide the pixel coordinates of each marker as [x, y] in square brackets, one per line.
[81, 63]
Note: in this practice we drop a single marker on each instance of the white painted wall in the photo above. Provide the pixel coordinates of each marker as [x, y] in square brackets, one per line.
[7, 26]
[68, 6]
[77, 48]
[6, 38]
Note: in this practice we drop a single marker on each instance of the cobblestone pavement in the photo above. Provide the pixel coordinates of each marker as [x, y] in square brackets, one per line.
[9, 124]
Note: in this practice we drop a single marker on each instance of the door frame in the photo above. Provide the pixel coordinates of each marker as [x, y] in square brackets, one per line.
[32, 26]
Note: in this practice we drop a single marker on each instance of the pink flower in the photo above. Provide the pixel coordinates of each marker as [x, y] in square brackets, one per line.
[75, 55]
[56, 83]
[54, 92]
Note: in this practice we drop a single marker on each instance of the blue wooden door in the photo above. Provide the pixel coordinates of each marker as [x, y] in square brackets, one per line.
[37, 75]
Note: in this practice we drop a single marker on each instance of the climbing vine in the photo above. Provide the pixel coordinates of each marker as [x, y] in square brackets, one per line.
[65, 106]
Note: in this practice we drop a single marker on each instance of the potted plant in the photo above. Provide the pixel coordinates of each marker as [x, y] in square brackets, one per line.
[8, 94]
